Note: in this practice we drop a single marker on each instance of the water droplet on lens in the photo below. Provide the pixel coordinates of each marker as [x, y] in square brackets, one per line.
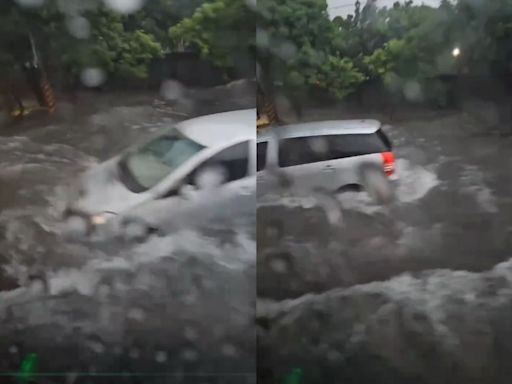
[279, 265]
[134, 353]
[161, 356]
[190, 333]
[124, 6]
[92, 77]
[229, 350]
[136, 314]
[30, 3]
[97, 346]
[79, 27]
[172, 90]
[412, 91]
[190, 354]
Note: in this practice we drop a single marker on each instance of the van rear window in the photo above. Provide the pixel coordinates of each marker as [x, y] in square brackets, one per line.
[357, 145]
[305, 150]
[385, 139]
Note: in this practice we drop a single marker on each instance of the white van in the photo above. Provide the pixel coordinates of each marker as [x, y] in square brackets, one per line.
[214, 154]
[331, 155]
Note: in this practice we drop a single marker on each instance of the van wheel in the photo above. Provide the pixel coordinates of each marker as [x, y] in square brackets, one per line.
[350, 188]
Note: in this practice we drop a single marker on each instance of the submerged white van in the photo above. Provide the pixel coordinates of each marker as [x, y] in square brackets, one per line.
[330, 155]
[214, 154]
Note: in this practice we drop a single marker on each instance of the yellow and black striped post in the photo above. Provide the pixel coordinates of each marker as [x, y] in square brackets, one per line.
[267, 112]
[48, 94]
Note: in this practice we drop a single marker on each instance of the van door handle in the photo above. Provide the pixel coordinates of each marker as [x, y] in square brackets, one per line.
[328, 168]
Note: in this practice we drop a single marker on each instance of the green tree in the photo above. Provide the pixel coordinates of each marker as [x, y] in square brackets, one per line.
[157, 16]
[122, 49]
[300, 49]
[222, 30]
[122, 53]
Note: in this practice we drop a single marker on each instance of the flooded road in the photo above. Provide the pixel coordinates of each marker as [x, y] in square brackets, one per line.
[178, 306]
[452, 209]
[409, 292]
[431, 269]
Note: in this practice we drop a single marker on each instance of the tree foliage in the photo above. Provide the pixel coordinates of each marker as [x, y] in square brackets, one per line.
[222, 30]
[395, 45]
[296, 44]
[298, 47]
[121, 45]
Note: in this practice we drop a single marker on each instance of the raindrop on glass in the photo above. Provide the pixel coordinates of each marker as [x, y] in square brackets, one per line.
[279, 265]
[124, 6]
[190, 354]
[97, 346]
[30, 3]
[251, 3]
[136, 314]
[318, 145]
[287, 51]
[134, 353]
[412, 91]
[92, 77]
[79, 27]
[76, 225]
[161, 356]
[229, 350]
[262, 38]
[172, 90]
[13, 349]
[211, 177]
[190, 333]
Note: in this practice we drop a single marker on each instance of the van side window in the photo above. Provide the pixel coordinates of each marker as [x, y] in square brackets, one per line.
[355, 145]
[300, 150]
[261, 155]
[234, 159]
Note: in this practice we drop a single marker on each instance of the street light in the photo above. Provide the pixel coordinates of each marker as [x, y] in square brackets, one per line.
[456, 52]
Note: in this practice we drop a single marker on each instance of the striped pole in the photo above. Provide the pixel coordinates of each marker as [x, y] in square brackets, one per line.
[48, 95]
[271, 112]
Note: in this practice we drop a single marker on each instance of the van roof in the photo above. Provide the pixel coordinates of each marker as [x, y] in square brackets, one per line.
[321, 128]
[213, 130]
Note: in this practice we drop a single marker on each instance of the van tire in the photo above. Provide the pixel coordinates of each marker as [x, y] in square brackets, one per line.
[350, 188]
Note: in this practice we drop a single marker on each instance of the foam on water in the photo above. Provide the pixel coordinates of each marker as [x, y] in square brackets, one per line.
[473, 182]
[85, 279]
[414, 182]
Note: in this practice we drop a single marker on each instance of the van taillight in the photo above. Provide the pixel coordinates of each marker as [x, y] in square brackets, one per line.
[388, 159]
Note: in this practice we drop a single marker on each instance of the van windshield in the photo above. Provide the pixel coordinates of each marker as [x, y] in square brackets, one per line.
[146, 166]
